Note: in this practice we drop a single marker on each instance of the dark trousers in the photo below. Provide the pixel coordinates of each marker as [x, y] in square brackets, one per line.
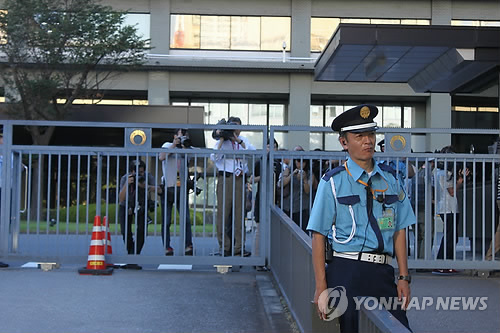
[360, 278]
[450, 240]
[166, 216]
[126, 229]
[226, 198]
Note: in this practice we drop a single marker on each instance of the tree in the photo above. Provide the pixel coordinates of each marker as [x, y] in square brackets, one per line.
[58, 51]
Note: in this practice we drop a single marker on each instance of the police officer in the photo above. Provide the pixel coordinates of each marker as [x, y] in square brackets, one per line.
[363, 211]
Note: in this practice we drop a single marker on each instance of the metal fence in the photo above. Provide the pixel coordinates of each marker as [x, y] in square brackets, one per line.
[52, 195]
[57, 192]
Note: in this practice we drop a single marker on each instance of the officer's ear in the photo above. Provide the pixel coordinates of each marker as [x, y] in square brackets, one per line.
[343, 141]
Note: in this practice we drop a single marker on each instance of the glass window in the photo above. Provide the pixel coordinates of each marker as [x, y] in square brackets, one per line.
[141, 22]
[315, 141]
[276, 114]
[490, 23]
[332, 142]
[316, 117]
[275, 31]
[385, 21]
[391, 116]
[245, 33]
[239, 110]
[257, 114]
[215, 32]
[415, 22]
[332, 111]
[217, 111]
[185, 31]
[465, 23]
[322, 30]
[408, 111]
[355, 20]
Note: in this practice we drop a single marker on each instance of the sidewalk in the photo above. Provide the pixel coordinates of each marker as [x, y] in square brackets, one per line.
[158, 301]
[148, 300]
[461, 285]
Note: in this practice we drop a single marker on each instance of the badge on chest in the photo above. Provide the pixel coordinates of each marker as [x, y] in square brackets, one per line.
[386, 221]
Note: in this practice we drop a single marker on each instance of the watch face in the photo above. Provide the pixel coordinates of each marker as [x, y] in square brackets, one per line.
[405, 278]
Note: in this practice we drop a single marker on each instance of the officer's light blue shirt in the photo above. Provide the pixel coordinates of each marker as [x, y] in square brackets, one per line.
[349, 191]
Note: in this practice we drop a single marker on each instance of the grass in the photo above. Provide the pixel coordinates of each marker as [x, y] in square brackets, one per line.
[82, 227]
[71, 228]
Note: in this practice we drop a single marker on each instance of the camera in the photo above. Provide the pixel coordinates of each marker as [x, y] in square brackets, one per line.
[185, 142]
[190, 186]
[226, 134]
[140, 179]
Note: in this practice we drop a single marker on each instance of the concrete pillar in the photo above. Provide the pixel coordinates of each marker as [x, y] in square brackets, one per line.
[301, 28]
[299, 109]
[158, 88]
[438, 115]
[441, 12]
[160, 26]
[158, 82]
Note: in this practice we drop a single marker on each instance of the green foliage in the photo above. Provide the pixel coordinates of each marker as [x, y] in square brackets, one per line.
[70, 217]
[62, 49]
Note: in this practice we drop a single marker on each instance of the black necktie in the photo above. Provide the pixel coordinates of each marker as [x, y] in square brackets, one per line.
[371, 217]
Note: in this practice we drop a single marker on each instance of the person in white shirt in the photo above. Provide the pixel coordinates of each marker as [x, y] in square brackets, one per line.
[447, 206]
[232, 171]
[174, 175]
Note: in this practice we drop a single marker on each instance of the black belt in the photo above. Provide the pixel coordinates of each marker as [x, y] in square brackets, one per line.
[229, 174]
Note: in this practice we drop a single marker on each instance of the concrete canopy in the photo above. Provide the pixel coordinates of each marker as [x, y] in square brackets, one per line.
[446, 59]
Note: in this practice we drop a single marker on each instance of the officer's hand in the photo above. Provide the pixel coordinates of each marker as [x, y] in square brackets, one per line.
[404, 293]
[321, 301]
[131, 179]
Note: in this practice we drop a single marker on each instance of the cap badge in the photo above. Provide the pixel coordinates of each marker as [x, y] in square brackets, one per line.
[364, 112]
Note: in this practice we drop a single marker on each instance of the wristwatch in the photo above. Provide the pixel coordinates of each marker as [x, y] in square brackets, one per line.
[405, 278]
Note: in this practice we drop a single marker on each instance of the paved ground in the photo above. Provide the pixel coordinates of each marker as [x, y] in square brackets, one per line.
[437, 320]
[150, 300]
[201, 300]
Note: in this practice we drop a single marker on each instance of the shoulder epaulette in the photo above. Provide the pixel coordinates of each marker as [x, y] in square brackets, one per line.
[387, 168]
[329, 174]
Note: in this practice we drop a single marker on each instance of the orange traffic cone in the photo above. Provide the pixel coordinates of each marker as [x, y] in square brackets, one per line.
[96, 263]
[107, 239]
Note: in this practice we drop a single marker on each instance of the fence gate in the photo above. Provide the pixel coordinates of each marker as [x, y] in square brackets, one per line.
[55, 194]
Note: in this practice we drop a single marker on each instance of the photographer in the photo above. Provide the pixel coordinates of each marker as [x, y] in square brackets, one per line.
[134, 189]
[231, 172]
[174, 176]
[447, 184]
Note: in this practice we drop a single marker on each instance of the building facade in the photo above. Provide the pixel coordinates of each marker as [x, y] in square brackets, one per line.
[255, 59]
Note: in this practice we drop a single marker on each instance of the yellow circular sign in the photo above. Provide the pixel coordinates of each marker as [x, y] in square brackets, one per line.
[364, 112]
[138, 137]
[398, 142]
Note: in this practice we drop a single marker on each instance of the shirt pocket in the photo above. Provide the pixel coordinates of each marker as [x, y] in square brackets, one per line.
[348, 200]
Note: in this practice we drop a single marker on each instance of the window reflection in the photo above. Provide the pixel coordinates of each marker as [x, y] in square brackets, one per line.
[229, 32]
[322, 28]
[275, 31]
[215, 32]
[245, 33]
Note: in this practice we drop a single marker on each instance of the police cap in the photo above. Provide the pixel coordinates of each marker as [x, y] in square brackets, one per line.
[357, 119]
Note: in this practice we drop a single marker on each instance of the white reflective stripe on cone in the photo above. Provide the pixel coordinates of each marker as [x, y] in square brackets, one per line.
[96, 258]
